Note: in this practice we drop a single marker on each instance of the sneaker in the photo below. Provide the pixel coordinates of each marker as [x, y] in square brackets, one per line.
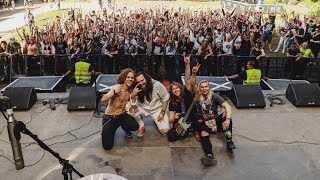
[128, 134]
[230, 145]
[276, 50]
[282, 51]
[140, 132]
[197, 135]
[209, 160]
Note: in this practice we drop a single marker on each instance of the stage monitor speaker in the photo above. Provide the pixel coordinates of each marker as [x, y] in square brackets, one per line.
[247, 96]
[21, 98]
[304, 94]
[82, 98]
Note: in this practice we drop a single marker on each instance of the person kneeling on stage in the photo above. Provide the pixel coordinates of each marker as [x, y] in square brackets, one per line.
[207, 117]
[115, 114]
[150, 98]
[83, 71]
[251, 76]
[180, 101]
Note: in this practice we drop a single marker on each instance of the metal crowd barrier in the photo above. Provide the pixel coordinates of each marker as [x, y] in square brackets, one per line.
[158, 66]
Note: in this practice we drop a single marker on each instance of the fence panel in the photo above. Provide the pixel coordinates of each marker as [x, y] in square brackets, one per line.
[169, 67]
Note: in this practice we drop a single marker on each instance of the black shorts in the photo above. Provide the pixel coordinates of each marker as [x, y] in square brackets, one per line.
[267, 38]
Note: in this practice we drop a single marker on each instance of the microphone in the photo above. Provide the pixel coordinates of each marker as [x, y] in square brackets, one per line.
[15, 144]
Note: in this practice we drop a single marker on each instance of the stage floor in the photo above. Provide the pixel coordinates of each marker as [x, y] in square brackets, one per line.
[77, 138]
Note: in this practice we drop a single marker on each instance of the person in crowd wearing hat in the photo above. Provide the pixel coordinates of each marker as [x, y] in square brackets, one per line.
[82, 71]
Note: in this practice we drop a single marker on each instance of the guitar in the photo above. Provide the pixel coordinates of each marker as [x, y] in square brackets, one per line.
[181, 126]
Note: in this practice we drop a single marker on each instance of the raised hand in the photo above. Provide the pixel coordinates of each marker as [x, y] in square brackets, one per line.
[136, 90]
[186, 59]
[195, 69]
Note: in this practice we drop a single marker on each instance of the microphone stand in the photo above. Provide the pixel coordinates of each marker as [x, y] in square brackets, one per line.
[97, 112]
[67, 167]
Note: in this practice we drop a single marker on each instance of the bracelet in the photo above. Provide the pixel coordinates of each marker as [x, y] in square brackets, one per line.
[114, 92]
[163, 112]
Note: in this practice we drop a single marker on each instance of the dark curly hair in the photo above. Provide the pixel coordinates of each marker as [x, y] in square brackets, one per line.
[148, 92]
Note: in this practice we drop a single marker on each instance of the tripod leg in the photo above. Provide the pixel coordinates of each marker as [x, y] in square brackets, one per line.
[70, 174]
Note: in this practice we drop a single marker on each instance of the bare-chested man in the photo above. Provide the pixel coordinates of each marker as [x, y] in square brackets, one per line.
[116, 114]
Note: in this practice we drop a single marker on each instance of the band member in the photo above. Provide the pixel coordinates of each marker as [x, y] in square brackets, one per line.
[115, 114]
[150, 98]
[180, 101]
[207, 118]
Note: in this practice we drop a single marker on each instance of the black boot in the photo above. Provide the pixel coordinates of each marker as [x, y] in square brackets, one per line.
[230, 145]
[209, 160]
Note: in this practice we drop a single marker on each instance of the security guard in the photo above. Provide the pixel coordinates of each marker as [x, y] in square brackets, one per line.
[250, 76]
[82, 71]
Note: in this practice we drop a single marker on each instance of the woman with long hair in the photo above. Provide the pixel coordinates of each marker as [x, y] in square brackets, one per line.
[315, 42]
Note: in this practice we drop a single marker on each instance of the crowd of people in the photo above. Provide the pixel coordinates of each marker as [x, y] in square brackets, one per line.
[122, 33]
[116, 35]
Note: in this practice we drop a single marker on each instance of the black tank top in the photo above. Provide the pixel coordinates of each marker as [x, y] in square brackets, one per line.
[256, 53]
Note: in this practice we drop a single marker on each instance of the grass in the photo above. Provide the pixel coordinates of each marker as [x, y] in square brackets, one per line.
[306, 7]
[42, 20]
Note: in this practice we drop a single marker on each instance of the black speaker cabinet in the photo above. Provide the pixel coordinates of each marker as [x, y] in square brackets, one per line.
[303, 94]
[247, 96]
[21, 98]
[82, 98]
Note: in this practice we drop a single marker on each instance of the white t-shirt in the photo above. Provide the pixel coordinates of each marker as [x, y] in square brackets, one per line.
[191, 36]
[283, 22]
[218, 36]
[227, 47]
[196, 44]
[159, 95]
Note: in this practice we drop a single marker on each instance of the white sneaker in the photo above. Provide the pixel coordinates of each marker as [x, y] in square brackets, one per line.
[282, 51]
[276, 50]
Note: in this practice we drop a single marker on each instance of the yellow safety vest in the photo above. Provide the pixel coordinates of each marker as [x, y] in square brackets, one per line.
[82, 73]
[253, 76]
[306, 53]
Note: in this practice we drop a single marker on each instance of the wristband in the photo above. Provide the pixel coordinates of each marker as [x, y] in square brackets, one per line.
[132, 104]
[114, 92]
[163, 112]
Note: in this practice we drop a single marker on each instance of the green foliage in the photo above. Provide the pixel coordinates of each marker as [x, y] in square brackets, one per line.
[43, 19]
